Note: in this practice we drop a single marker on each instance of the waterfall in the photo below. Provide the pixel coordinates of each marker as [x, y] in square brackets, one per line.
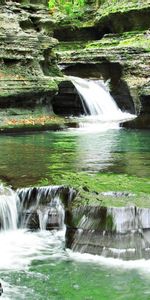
[97, 101]
[9, 203]
[122, 232]
[43, 207]
[35, 208]
[53, 215]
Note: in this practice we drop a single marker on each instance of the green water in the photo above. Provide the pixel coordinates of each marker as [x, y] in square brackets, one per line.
[44, 270]
[36, 266]
[69, 280]
[27, 159]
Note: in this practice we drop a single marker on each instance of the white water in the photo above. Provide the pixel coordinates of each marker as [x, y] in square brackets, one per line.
[46, 202]
[9, 203]
[98, 104]
[53, 210]
[141, 264]
[19, 248]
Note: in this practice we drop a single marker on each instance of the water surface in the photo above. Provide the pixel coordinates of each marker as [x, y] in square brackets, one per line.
[26, 159]
[35, 265]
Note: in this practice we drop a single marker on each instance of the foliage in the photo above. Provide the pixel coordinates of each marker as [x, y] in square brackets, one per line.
[69, 7]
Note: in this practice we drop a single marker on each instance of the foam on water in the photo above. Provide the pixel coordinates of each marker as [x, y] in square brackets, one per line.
[20, 247]
[141, 264]
[100, 109]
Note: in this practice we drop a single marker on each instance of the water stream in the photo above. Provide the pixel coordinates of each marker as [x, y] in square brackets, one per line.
[35, 265]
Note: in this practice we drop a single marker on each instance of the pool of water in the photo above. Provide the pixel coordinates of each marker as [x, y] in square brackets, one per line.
[36, 265]
[26, 159]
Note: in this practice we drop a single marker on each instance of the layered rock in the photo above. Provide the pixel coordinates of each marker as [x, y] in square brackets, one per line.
[29, 76]
[120, 51]
[120, 232]
[127, 67]
[27, 60]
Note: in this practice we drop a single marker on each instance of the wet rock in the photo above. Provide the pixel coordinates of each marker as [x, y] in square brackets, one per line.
[43, 219]
[44, 195]
[122, 232]
[117, 194]
[67, 102]
[1, 289]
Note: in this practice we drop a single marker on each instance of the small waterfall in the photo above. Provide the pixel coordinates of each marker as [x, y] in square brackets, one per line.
[53, 214]
[124, 219]
[35, 208]
[97, 101]
[9, 203]
[43, 207]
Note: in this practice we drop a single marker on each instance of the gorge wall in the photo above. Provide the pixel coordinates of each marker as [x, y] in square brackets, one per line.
[28, 70]
[101, 43]
[113, 46]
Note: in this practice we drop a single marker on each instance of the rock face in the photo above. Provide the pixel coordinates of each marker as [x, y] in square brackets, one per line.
[122, 232]
[117, 48]
[67, 102]
[129, 19]
[27, 61]
[126, 67]
[111, 42]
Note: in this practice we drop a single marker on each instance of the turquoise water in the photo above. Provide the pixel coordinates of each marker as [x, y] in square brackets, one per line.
[26, 159]
[35, 265]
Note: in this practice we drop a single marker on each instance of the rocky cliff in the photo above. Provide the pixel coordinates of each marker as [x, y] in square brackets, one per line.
[28, 71]
[114, 45]
[106, 41]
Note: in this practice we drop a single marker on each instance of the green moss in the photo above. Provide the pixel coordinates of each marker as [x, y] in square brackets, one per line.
[91, 186]
[109, 223]
[128, 39]
[65, 46]
[113, 6]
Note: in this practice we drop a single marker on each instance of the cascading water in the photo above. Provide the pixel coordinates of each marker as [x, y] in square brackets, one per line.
[9, 204]
[35, 208]
[97, 101]
[42, 206]
[34, 259]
